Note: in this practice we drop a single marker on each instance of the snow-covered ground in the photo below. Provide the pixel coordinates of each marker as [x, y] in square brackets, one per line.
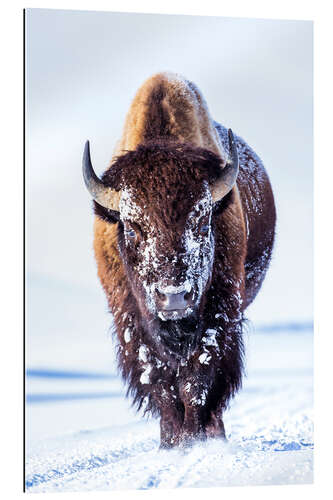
[82, 433]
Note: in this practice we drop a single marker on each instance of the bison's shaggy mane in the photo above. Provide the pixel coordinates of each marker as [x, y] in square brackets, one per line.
[150, 162]
[158, 166]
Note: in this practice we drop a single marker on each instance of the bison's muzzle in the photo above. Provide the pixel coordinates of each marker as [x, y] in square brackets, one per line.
[174, 302]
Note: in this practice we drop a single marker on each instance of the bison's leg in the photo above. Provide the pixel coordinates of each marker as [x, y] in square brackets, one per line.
[194, 425]
[200, 423]
[215, 426]
[171, 410]
[193, 394]
[171, 425]
[201, 420]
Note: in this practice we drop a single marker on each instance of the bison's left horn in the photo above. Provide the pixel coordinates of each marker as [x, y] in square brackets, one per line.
[229, 174]
[104, 195]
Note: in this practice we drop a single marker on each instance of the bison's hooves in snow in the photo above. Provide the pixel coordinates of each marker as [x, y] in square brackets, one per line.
[186, 440]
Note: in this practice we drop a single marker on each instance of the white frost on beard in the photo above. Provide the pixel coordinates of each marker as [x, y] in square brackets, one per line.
[205, 358]
[210, 338]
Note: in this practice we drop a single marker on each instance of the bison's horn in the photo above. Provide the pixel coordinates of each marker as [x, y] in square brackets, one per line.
[229, 174]
[104, 195]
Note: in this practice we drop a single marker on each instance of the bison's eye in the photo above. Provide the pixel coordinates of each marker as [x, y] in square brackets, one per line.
[131, 233]
[204, 225]
[204, 229]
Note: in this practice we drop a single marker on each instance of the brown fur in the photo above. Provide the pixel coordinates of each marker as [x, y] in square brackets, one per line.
[169, 147]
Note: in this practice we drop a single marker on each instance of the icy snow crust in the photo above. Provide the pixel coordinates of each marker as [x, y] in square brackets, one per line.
[101, 444]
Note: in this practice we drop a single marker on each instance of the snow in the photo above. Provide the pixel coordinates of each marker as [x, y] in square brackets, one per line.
[129, 210]
[127, 335]
[210, 340]
[199, 248]
[186, 286]
[144, 379]
[82, 433]
[204, 358]
[143, 353]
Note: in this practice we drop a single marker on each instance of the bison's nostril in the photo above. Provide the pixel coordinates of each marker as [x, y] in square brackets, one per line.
[160, 295]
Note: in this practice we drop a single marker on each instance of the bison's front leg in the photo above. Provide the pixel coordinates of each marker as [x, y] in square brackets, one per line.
[201, 417]
[171, 410]
[194, 394]
[215, 426]
[171, 426]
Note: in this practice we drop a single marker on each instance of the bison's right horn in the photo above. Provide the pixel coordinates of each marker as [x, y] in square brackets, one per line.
[104, 195]
[229, 174]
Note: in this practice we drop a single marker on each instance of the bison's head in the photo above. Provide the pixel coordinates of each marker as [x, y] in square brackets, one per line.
[163, 195]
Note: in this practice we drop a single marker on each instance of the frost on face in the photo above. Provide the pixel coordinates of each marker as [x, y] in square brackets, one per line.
[177, 289]
[199, 247]
[128, 209]
[132, 212]
[198, 250]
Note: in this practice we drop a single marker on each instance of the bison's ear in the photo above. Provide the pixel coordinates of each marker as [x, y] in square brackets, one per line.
[110, 216]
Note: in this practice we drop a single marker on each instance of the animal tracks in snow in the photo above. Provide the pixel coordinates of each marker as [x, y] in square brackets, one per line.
[101, 462]
[102, 445]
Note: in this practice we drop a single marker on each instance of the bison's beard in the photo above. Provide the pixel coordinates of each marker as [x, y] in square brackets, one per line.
[178, 338]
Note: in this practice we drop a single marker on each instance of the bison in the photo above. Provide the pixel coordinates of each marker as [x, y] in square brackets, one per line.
[183, 236]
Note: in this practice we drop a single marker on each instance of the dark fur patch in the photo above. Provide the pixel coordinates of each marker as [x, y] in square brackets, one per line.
[151, 162]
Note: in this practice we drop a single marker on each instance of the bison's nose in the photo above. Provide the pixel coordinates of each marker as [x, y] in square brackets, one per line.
[174, 298]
